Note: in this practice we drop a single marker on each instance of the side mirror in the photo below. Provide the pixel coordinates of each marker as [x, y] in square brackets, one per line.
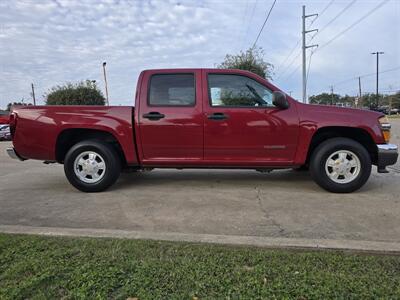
[279, 100]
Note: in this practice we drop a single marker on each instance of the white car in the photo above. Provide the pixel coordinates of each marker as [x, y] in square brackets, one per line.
[5, 134]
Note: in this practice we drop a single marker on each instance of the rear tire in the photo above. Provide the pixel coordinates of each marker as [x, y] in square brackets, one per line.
[340, 165]
[92, 166]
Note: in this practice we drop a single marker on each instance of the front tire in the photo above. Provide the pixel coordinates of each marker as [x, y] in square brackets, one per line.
[340, 165]
[92, 166]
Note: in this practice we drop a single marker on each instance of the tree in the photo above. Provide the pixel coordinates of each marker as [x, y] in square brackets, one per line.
[325, 98]
[367, 100]
[394, 100]
[252, 60]
[348, 100]
[11, 104]
[82, 93]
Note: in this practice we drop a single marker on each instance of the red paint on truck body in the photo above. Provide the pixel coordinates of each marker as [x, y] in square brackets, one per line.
[4, 119]
[251, 137]
[38, 127]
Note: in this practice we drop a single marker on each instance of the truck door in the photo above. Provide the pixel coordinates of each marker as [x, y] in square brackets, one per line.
[242, 126]
[170, 117]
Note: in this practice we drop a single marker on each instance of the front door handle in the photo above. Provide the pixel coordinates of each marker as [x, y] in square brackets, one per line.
[153, 116]
[218, 116]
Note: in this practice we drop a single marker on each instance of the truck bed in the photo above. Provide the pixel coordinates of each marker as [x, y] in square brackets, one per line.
[38, 128]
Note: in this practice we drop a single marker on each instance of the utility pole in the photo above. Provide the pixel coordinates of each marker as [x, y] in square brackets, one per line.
[33, 94]
[331, 94]
[359, 92]
[377, 75]
[304, 48]
[105, 83]
[390, 101]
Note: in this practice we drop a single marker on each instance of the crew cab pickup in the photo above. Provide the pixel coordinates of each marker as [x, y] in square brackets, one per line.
[4, 118]
[205, 118]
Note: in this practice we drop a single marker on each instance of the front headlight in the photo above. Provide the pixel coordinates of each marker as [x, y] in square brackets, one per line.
[385, 127]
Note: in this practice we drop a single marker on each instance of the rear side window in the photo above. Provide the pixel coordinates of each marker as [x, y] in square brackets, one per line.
[172, 90]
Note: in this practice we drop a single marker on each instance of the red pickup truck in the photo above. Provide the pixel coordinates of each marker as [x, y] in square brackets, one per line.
[4, 118]
[205, 118]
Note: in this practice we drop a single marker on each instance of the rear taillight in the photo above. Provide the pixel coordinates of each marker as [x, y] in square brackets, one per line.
[13, 124]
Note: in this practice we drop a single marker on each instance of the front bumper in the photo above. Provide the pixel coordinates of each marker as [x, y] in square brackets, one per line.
[13, 154]
[387, 155]
[5, 137]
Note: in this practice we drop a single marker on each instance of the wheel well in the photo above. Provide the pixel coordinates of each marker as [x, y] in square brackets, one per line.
[70, 137]
[357, 134]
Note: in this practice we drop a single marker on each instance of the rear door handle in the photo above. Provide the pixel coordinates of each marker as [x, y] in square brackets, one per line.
[218, 116]
[153, 116]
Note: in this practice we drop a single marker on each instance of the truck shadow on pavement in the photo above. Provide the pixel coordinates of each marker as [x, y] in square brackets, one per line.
[289, 179]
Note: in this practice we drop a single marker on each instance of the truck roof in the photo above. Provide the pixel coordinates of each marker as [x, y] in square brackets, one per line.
[199, 69]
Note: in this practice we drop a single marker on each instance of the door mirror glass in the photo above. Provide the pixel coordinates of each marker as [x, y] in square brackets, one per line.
[279, 100]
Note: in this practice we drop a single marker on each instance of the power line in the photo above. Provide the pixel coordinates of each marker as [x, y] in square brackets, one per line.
[350, 27]
[335, 37]
[319, 15]
[365, 75]
[298, 67]
[385, 71]
[384, 91]
[290, 54]
[324, 10]
[335, 17]
[266, 19]
[239, 41]
[292, 73]
[251, 16]
[299, 40]
[249, 23]
[355, 23]
[304, 48]
[309, 64]
[289, 65]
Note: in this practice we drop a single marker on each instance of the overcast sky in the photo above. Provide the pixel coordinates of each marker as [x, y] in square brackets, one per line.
[53, 42]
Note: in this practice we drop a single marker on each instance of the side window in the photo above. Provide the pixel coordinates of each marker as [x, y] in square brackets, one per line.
[237, 90]
[172, 90]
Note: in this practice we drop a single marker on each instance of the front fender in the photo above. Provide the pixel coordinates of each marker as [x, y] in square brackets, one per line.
[313, 118]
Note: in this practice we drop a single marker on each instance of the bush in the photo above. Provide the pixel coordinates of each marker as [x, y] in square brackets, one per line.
[82, 93]
[11, 104]
[252, 60]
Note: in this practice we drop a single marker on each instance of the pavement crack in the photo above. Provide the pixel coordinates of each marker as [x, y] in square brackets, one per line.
[396, 170]
[271, 221]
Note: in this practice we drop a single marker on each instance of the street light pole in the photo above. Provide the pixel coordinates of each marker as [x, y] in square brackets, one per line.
[105, 83]
[377, 75]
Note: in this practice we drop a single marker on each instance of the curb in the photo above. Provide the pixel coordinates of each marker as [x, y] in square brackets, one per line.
[257, 241]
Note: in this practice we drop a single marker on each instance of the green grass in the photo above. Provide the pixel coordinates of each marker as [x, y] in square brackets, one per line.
[54, 267]
[394, 116]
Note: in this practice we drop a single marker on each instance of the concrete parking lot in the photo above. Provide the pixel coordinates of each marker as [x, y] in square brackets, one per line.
[282, 204]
